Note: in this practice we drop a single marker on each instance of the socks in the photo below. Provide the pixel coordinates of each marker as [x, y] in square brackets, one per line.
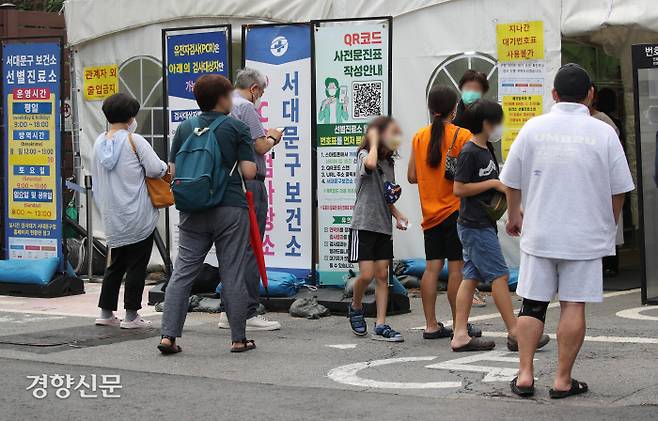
[106, 314]
[131, 315]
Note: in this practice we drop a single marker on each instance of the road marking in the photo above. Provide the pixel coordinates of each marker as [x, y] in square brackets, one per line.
[63, 313]
[551, 305]
[607, 339]
[348, 374]
[342, 346]
[635, 313]
[494, 374]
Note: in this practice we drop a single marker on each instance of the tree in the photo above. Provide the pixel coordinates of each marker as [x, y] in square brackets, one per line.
[39, 5]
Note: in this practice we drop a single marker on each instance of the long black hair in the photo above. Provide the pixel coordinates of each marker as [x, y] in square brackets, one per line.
[441, 102]
[480, 111]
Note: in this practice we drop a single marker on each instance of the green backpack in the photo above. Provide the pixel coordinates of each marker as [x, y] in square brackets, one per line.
[200, 178]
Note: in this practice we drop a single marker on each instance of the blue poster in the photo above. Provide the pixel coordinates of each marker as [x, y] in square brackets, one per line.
[283, 54]
[32, 148]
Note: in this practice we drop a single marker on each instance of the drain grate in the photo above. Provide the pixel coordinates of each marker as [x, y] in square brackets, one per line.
[58, 340]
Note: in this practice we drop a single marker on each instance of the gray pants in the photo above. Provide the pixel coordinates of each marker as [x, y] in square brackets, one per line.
[228, 229]
[257, 188]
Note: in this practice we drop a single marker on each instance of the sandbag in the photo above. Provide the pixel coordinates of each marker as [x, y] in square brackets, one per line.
[308, 308]
[280, 284]
[28, 271]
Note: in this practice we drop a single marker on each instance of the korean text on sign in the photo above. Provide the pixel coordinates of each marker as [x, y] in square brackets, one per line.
[520, 41]
[100, 82]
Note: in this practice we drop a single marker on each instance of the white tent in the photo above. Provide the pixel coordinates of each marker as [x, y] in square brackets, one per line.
[425, 34]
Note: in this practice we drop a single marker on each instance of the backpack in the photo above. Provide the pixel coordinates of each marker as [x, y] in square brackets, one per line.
[201, 178]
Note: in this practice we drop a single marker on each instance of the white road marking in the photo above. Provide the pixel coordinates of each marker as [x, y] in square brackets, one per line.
[607, 339]
[494, 374]
[62, 313]
[342, 346]
[11, 319]
[551, 305]
[635, 313]
[348, 374]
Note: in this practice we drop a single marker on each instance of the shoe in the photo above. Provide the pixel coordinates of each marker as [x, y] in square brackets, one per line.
[385, 333]
[137, 323]
[256, 323]
[357, 321]
[112, 321]
[513, 344]
[473, 332]
[223, 321]
[442, 332]
[479, 300]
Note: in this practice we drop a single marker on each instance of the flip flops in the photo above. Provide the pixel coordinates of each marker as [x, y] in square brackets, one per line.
[172, 348]
[577, 388]
[522, 391]
[476, 344]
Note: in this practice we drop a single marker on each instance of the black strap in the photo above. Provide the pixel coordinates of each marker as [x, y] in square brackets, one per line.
[454, 138]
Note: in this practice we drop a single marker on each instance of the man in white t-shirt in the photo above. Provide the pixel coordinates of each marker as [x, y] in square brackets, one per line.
[569, 173]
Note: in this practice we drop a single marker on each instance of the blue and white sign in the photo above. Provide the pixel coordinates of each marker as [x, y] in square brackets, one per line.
[283, 54]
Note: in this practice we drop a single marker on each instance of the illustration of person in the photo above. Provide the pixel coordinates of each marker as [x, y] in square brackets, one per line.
[333, 109]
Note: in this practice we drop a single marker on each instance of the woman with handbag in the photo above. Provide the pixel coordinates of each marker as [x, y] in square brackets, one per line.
[434, 153]
[123, 162]
[370, 238]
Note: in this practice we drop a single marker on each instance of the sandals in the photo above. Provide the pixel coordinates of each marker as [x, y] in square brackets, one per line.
[249, 344]
[442, 332]
[522, 391]
[513, 344]
[385, 333]
[172, 348]
[577, 388]
[357, 321]
[476, 344]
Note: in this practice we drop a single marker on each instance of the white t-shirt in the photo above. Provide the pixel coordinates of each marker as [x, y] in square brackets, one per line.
[567, 166]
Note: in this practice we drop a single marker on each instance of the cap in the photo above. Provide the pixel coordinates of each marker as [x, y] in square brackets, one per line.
[572, 82]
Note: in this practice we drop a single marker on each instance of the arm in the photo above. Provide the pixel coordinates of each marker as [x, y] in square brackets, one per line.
[245, 150]
[370, 161]
[154, 167]
[617, 204]
[461, 189]
[514, 215]
[412, 177]
[248, 169]
[264, 144]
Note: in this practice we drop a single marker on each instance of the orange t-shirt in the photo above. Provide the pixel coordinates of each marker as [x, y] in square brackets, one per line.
[436, 197]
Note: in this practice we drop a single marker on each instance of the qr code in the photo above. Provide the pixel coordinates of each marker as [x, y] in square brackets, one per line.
[367, 99]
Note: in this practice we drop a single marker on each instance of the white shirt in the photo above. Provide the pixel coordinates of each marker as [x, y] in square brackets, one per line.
[567, 166]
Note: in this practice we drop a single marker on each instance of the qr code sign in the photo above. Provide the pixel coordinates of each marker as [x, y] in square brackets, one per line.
[367, 99]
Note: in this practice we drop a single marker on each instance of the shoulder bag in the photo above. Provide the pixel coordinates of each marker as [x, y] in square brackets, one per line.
[159, 189]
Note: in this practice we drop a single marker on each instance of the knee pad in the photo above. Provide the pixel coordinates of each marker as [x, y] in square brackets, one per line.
[532, 308]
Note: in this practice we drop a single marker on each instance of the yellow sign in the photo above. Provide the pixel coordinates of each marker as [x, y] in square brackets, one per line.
[100, 82]
[518, 109]
[520, 41]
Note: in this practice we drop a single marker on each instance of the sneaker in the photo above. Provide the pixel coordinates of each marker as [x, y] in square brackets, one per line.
[112, 321]
[137, 323]
[385, 333]
[256, 323]
[357, 321]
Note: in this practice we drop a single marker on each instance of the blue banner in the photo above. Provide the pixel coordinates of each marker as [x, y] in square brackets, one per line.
[31, 77]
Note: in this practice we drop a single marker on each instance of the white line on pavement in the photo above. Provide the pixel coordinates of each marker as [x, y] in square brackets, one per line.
[342, 346]
[609, 339]
[62, 313]
[635, 313]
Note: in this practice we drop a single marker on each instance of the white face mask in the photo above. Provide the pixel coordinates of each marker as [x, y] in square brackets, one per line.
[332, 91]
[132, 127]
[497, 134]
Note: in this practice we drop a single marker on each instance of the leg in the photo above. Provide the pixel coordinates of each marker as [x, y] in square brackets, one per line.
[381, 290]
[257, 188]
[136, 273]
[428, 285]
[112, 280]
[455, 268]
[366, 273]
[464, 302]
[529, 330]
[501, 296]
[570, 336]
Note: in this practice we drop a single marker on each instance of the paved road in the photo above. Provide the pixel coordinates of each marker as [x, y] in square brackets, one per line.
[319, 370]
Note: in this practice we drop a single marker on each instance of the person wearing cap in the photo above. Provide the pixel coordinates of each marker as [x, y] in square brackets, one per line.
[566, 175]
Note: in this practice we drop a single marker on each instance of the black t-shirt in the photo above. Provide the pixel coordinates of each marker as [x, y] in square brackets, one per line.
[476, 164]
[235, 143]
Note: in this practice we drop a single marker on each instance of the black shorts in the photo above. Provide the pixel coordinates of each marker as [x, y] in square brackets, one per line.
[442, 241]
[369, 245]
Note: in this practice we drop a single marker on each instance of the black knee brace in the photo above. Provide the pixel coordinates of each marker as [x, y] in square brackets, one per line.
[532, 308]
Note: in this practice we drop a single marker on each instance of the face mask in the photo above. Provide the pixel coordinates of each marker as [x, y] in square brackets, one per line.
[332, 91]
[497, 133]
[469, 97]
[132, 127]
[255, 100]
[393, 143]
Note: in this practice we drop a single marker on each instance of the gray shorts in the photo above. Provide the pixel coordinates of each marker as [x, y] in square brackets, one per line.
[541, 279]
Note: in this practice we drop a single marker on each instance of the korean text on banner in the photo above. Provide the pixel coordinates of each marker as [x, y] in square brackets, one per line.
[283, 54]
[32, 139]
[190, 53]
[352, 65]
[99, 82]
[518, 109]
[520, 41]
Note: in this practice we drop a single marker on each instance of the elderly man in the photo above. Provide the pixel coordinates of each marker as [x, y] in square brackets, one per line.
[250, 86]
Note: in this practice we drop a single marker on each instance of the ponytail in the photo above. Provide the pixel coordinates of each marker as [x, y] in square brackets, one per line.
[436, 142]
[441, 102]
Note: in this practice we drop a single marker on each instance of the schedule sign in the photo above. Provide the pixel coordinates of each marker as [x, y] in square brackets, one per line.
[32, 139]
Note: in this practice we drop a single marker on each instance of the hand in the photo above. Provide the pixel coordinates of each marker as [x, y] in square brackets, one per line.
[276, 134]
[401, 222]
[373, 137]
[514, 224]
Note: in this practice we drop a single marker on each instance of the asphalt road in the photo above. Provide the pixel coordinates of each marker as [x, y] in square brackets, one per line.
[318, 370]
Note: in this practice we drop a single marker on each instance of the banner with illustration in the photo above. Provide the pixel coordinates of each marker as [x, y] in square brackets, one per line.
[31, 77]
[283, 54]
[352, 85]
[189, 53]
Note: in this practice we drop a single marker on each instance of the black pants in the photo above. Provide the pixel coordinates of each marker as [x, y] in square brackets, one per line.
[130, 260]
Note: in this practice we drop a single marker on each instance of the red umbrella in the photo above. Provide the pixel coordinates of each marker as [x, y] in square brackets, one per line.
[256, 240]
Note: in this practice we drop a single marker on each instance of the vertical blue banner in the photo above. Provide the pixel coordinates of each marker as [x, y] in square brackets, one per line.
[283, 54]
[31, 77]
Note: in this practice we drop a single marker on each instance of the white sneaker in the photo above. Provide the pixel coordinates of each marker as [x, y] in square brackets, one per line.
[138, 323]
[256, 323]
[112, 321]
